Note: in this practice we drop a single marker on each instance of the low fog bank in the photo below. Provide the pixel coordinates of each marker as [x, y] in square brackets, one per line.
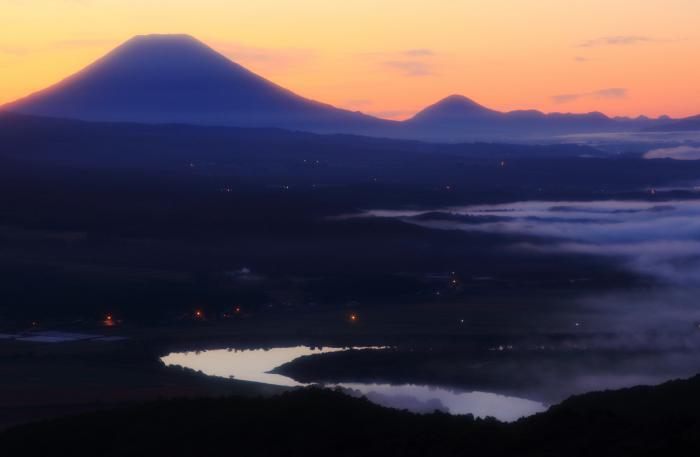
[598, 342]
[660, 239]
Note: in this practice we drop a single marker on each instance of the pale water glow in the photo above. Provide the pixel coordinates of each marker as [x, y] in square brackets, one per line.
[427, 399]
[244, 365]
[255, 364]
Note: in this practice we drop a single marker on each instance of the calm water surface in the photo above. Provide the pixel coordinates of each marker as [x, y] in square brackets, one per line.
[256, 364]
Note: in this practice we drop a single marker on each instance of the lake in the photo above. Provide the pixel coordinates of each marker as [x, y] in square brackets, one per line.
[256, 364]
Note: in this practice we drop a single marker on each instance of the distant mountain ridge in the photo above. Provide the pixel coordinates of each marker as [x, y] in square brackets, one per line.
[678, 125]
[178, 79]
[456, 113]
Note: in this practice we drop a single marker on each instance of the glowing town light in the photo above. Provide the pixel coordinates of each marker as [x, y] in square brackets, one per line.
[108, 320]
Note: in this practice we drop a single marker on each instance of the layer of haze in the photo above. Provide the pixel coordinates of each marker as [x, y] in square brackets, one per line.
[658, 239]
[391, 58]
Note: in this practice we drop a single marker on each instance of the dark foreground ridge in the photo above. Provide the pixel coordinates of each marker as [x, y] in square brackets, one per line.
[641, 421]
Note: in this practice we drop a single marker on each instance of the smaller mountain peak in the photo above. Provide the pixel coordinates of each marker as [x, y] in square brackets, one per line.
[454, 107]
[460, 101]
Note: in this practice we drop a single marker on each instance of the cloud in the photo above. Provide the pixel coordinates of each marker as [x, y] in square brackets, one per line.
[358, 102]
[677, 153]
[566, 98]
[56, 45]
[410, 67]
[409, 62]
[14, 50]
[82, 43]
[271, 58]
[617, 40]
[609, 93]
[612, 92]
[421, 52]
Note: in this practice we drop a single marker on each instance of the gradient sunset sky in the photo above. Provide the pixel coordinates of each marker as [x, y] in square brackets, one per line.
[391, 58]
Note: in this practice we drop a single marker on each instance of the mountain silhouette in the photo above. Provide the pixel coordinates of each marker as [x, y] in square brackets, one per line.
[177, 79]
[679, 125]
[458, 115]
[455, 108]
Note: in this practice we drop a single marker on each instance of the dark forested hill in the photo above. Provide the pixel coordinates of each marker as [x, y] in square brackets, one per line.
[643, 421]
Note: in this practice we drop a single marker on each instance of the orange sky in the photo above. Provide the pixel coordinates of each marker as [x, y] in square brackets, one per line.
[391, 58]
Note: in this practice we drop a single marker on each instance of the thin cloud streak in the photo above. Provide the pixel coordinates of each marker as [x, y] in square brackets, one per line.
[617, 40]
[609, 93]
[357, 103]
[422, 52]
[272, 58]
[57, 46]
[410, 67]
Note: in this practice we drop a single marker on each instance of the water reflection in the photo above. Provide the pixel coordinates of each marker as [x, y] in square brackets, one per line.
[255, 364]
[245, 365]
[428, 399]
